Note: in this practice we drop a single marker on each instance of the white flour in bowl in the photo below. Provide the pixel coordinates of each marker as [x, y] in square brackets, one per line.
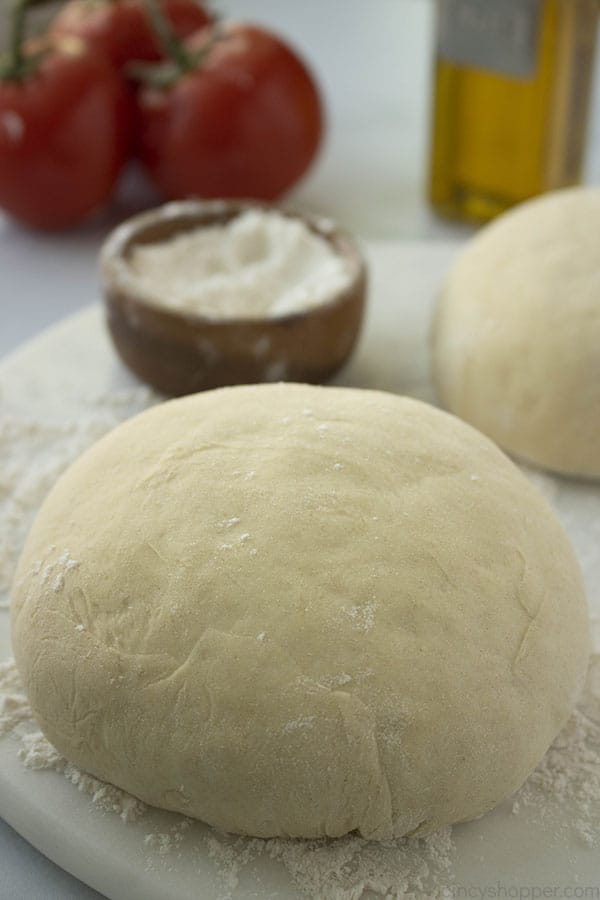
[261, 264]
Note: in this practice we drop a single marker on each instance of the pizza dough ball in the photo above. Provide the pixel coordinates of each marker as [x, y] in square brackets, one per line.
[300, 611]
[517, 333]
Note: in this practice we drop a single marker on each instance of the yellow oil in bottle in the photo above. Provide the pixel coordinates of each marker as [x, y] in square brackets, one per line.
[512, 86]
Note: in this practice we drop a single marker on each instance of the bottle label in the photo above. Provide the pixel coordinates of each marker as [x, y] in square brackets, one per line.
[499, 35]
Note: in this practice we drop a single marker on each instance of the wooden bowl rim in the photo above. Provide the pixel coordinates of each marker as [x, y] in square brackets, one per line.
[186, 214]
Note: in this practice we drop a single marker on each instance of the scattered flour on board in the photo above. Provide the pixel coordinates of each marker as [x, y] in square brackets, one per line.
[564, 790]
[565, 787]
[35, 453]
[36, 752]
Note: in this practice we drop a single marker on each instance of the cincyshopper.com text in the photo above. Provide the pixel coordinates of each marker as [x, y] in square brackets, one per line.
[500, 891]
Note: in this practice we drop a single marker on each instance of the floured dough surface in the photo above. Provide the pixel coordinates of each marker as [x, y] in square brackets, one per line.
[300, 611]
[517, 332]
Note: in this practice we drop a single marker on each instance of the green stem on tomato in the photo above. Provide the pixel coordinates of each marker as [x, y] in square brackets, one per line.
[17, 64]
[169, 41]
[180, 60]
[17, 33]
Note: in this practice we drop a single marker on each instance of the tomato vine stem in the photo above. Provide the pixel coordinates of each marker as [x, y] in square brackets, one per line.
[169, 41]
[180, 59]
[17, 65]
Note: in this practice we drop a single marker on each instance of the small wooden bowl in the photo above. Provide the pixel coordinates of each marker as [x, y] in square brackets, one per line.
[181, 353]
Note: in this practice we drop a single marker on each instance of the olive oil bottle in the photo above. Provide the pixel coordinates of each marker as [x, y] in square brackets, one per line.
[511, 95]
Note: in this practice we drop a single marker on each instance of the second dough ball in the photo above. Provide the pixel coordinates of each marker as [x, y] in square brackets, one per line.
[516, 339]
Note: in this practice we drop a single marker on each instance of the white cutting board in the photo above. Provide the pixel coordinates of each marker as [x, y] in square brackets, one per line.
[61, 375]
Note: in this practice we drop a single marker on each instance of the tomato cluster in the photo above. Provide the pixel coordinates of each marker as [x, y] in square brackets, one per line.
[224, 110]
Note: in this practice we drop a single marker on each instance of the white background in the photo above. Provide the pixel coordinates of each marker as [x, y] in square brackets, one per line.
[374, 63]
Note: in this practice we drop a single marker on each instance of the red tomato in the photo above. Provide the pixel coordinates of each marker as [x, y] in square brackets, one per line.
[247, 122]
[120, 28]
[63, 136]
